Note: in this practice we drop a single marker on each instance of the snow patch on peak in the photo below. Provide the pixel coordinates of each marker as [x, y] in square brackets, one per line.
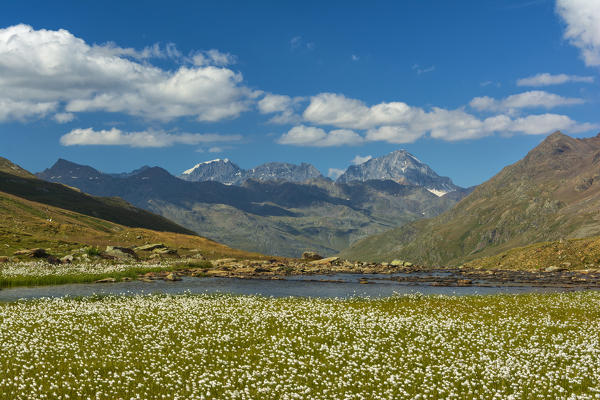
[189, 171]
[438, 193]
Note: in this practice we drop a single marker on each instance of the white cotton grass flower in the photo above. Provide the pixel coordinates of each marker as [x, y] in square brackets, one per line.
[250, 347]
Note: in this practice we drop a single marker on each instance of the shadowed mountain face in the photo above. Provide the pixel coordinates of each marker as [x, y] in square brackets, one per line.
[552, 193]
[16, 181]
[269, 216]
[402, 167]
[35, 213]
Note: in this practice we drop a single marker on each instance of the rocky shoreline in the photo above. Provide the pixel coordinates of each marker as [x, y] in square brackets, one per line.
[398, 271]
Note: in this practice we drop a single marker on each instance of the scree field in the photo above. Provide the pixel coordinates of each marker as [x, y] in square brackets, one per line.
[245, 347]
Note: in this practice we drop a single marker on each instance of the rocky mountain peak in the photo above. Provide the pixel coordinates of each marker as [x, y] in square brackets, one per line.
[402, 167]
[220, 170]
[70, 170]
[226, 172]
[274, 171]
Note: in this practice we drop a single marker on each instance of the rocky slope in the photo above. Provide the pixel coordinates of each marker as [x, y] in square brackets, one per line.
[402, 167]
[228, 173]
[270, 217]
[552, 193]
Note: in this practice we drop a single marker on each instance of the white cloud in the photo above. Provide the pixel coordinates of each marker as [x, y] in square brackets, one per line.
[316, 137]
[548, 123]
[583, 27]
[531, 99]
[63, 118]
[397, 122]
[272, 103]
[22, 110]
[335, 173]
[51, 68]
[116, 137]
[355, 57]
[215, 149]
[338, 110]
[213, 57]
[361, 159]
[546, 79]
[284, 106]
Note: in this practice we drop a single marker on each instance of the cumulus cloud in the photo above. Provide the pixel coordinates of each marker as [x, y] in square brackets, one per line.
[52, 68]
[361, 159]
[335, 173]
[531, 99]
[302, 135]
[397, 122]
[116, 137]
[546, 79]
[22, 110]
[582, 18]
[284, 106]
[63, 118]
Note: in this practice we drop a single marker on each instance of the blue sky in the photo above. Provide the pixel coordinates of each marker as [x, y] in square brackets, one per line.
[468, 86]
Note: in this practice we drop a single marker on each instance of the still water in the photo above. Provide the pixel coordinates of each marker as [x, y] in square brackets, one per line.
[346, 285]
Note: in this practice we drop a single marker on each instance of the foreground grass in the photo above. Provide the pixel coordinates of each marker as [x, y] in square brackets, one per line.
[240, 347]
[41, 273]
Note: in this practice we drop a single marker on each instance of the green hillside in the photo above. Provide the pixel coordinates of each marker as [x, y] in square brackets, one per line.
[553, 193]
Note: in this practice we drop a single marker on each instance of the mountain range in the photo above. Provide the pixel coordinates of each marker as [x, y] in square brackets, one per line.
[399, 166]
[228, 173]
[553, 193]
[276, 208]
[63, 220]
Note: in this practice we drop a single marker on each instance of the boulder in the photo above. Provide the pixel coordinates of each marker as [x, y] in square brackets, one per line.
[122, 253]
[106, 280]
[68, 259]
[52, 260]
[224, 261]
[164, 250]
[172, 277]
[397, 263]
[311, 256]
[151, 247]
[326, 261]
[37, 253]
[552, 268]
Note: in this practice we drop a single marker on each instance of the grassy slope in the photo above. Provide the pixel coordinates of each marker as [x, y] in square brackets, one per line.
[17, 181]
[27, 224]
[552, 193]
[568, 254]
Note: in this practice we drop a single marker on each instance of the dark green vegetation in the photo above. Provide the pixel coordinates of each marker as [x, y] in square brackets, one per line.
[551, 194]
[271, 217]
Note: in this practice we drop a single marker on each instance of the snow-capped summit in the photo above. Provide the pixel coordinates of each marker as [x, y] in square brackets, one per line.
[189, 171]
[220, 170]
[226, 172]
[402, 167]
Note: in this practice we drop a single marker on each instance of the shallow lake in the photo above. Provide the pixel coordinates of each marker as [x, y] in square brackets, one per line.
[345, 285]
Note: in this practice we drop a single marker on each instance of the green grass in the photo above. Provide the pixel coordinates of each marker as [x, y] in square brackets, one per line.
[247, 347]
[30, 277]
